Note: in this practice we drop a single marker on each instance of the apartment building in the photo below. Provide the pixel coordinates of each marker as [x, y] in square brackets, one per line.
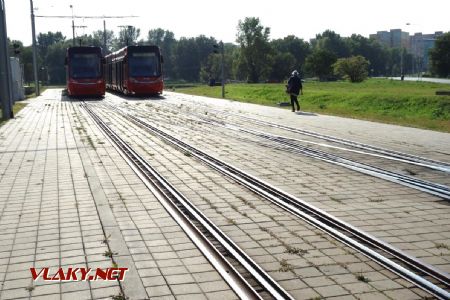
[418, 44]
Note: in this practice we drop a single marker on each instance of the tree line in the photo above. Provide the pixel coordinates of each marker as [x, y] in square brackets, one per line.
[254, 58]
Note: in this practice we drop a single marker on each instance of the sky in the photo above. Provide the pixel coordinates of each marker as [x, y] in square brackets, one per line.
[219, 19]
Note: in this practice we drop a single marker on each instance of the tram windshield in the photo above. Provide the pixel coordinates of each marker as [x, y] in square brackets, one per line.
[143, 64]
[85, 65]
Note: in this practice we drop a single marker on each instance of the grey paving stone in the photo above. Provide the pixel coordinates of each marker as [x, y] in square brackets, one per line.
[153, 240]
[80, 295]
[156, 291]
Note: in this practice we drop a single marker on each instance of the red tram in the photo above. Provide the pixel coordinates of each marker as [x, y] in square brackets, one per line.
[84, 71]
[135, 70]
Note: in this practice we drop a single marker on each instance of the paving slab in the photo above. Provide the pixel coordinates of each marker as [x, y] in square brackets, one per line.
[68, 199]
[227, 204]
[387, 210]
[62, 206]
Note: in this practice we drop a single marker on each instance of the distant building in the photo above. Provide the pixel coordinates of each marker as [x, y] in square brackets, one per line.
[384, 37]
[418, 44]
[399, 38]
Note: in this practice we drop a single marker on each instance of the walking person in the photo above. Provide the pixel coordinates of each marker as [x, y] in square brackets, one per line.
[294, 88]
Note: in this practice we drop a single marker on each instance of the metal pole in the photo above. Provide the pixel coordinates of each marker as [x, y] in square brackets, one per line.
[104, 38]
[5, 68]
[73, 33]
[401, 60]
[128, 34]
[223, 73]
[73, 27]
[33, 36]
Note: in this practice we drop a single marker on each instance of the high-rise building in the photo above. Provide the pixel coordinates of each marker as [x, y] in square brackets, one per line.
[384, 37]
[418, 44]
[399, 38]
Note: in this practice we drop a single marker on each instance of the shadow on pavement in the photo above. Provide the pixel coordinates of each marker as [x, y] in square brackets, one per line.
[304, 113]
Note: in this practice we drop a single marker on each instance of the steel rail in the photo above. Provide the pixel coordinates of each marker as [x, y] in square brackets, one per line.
[376, 151]
[290, 144]
[342, 231]
[382, 152]
[190, 219]
[397, 155]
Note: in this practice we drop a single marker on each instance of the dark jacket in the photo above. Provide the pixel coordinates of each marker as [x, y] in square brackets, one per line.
[294, 85]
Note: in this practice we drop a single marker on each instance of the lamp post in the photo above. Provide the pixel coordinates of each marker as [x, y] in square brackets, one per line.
[33, 36]
[105, 50]
[73, 27]
[412, 39]
[222, 69]
[416, 50]
[401, 61]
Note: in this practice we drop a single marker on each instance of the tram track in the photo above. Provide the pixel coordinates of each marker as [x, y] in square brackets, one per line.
[243, 275]
[423, 275]
[376, 151]
[295, 146]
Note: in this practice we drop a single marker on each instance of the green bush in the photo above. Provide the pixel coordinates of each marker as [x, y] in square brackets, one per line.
[354, 68]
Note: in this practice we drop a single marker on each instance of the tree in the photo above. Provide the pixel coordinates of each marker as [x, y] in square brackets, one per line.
[283, 63]
[394, 61]
[110, 39]
[26, 59]
[14, 48]
[295, 46]
[255, 52]
[127, 36]
[354, 68]
[319, 64]
[45, 40]
[156, 36]
[440, 56]
[205, 46]
[88, 40]
[187, 60]
[55, 59]
[166, 41]
[332, 42]
[213, 66]
[372, 50]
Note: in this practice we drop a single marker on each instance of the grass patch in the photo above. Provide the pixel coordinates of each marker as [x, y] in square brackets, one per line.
[285, 266]
[41, 90]
[442, 246]
[383, 100]
[109, 253]
[120, 296]
[29, 288]
[295, 250]
[16, 108]
[362, 278]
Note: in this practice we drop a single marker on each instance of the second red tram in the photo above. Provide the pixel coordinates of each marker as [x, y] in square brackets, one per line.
[135, 70]
[84, 71]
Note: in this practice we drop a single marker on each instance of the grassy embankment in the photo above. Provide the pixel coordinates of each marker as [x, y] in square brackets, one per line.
[405, 103]
[16, 108]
